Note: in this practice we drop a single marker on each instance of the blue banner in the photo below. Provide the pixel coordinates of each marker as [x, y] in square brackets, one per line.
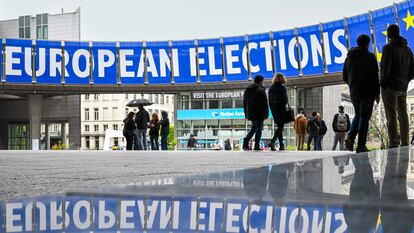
[106, 213]
[381, 19]
[104, 62]
[358, 25]
[405, 12]
[77, 63]
[209, 60]
[235, 58]
[158, 62]
[286, 53]
[335, 44]
[48, 62]
[311, 53]
[261, 61]
[18, 61]
[79, 210]
[49, 214]
[184, 55]
[131, 63]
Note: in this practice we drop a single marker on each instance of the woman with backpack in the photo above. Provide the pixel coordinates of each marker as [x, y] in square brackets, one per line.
[129, 129]
[340, 126]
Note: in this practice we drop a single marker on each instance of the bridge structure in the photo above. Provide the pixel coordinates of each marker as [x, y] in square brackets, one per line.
[308, 56]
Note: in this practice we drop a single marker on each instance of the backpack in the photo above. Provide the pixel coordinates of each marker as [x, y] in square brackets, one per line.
[342, 123]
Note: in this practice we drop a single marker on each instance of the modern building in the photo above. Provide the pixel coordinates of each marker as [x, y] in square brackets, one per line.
[100, 112]
[33, 121]
[213, 117]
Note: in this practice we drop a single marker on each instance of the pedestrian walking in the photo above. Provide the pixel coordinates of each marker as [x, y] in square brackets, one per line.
[300, 125]
[191, 142]
[340, 126]
[278, 100]
[322, 131]
[412, 138]
[227, 145]
[313, 131]
[361, 74]
[397, 70]
[129, 130]
[154, 131]
[165, 130]
[256, 110]
[141, 119]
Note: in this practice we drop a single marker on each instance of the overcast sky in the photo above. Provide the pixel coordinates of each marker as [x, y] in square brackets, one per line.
[189, 19]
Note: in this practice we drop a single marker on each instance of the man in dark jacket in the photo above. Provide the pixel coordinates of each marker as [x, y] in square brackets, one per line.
[340, 126]
[313, 129]
[141, 119]
[361, 74]
[397, 69]
[256, 109]
[165, 130]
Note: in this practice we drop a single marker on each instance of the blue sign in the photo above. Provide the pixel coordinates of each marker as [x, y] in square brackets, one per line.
[286, 53]
[131, 63]
[104, 62]
[381, 20]
[335, 44]
[206, 114]
[184, 55]
[260, 51]
[235, 58]
[158, 62]
[358, 25]
[209, 60]
[311, 53]
[48, 62]
[77, 63]
[19, 61]
[405, 12]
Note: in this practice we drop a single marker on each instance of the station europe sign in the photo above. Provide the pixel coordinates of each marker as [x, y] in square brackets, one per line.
[311, 50]
[166, 214]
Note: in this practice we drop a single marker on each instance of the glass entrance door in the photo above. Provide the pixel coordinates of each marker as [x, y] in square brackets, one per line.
[18, 136]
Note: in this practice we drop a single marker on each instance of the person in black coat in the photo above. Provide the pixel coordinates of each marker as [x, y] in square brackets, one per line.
[278, 99]
[129, 129]
[397, 70]
[142, 119]
[165, 130]
[191, 142]
[256, 109]
[154, 131]
[361, 74]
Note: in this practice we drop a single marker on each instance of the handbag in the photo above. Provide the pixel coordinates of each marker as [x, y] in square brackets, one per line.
[289, 115]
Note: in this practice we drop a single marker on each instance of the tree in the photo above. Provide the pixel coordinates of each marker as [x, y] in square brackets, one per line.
[171, 140]
[378, 126]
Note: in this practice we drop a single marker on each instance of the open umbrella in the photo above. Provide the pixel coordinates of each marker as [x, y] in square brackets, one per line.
[136, 102]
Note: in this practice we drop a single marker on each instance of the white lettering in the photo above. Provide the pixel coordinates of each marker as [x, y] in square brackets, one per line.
[230, 59]
[10, 60]
[341, 47]
[231, 218]
[124, 63]
[267, 46]
[106, 58]
[76, 66]
[76, 215]
[104, 215]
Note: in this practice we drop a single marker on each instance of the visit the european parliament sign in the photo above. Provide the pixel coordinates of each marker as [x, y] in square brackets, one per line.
[313, 50]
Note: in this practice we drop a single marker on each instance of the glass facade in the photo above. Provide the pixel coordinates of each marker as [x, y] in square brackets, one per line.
[18, 136]
[213, 117]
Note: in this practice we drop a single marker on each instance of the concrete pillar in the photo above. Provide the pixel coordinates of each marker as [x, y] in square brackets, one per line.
[47, 137]
[35, 118]
[74, 134]
[63, 133]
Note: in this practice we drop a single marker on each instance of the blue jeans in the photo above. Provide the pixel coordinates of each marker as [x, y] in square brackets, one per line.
[164, 141]
[154, 143]
[142, 143]
[315, 139]
[257, 127]
[319, 142]
[360, 123]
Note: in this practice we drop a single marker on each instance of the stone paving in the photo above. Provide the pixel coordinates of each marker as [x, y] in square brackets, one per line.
[33, 173]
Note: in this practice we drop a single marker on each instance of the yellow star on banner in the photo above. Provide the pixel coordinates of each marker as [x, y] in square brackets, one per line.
[378, 54]
[386, 33]
[409, 21]
[378, 222]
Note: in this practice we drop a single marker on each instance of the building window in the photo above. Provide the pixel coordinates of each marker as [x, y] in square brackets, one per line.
[213, 104]
[24, 27]
[96, 114]
[96, 96]
[96, 128]
[86, 114]
[156, 99]
[18, 136]
[87, 97]
[227, 103]
[86, 128]
[115, 127]
[97, 142]
[162, 99]
[87, 142]
[105, 127]
[41, 26]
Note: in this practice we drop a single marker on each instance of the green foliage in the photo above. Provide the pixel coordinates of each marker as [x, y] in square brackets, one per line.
[60, 147]
[171, 140]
